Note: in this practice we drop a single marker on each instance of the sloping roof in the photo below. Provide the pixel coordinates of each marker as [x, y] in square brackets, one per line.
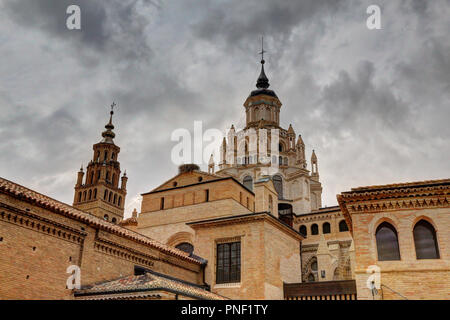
[36, 198]
[198, 173]
[157, 190]
[397, 187]
[136, 286]
[320, 211]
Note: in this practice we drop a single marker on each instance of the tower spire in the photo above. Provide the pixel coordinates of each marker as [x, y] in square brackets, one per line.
[99, 192]
[109, 135]
[263, 81]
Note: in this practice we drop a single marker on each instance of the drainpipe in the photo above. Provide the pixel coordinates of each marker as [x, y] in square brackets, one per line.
[301, 262]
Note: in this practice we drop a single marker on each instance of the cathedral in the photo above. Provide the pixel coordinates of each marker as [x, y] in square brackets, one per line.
[254, 228]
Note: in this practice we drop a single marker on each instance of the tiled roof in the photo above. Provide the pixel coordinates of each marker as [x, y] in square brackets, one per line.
[396, 186]
[136, 286]
[56, 206]
[319, 211]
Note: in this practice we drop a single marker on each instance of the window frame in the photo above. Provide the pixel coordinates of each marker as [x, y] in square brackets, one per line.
[435, 240]
[224, 262]
[392, 228]
[328, 225]
[344, 223]
[312, 231]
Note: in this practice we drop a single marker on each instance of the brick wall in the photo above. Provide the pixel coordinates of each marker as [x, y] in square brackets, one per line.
[37, 245]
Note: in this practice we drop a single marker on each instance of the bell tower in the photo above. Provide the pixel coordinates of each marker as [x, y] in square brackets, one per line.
[98, 191]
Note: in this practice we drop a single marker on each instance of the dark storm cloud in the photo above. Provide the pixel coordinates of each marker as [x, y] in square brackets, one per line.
[237, 21]
[113, 29]
[373, 104]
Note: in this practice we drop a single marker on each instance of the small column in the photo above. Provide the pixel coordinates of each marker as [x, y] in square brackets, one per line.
[80, 177]
[123, 185]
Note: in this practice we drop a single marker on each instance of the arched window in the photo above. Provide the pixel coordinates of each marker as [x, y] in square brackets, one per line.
[106, 155]
[326, 228]
[120, 201]
[280, 160]
[314, 229]
[280, 147]
[314, 265]
[425, 241]
[114, 220]
[95, 193]
[90, 194]
[186, 247]
[286, 161]
[105, 196]
[303, 231]
[109, 197]
[248, 183]
[115, 199]
[343, 226]
[336, 274]
[278, 184]
[112, 156]
[387, 242]
[79, 196]
[84, 196]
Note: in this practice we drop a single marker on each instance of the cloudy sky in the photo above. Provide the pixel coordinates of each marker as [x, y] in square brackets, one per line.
[374, 104]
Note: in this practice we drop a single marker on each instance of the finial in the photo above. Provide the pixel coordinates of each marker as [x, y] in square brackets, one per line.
[110, 125]
[263, 81]
[81, 169]
[125, 173]
[109, 135]
[262, 50]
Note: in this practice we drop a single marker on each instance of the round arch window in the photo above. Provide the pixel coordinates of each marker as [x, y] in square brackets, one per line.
[278, 184]
[314, 229]
[186, 247]
[248, 183]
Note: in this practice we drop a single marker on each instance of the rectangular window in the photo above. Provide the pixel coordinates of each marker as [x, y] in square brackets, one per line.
[228, 262]
[207, 195]
[162, 203]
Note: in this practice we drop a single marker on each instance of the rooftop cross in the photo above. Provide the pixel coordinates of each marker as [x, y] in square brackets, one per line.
[262, 50]
[263, 82]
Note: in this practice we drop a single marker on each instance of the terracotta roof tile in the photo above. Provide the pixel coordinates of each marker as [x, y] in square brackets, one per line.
[144, 283]
[398, 188]
[56, 206]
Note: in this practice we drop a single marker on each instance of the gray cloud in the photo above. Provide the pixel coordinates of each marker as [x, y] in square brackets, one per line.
[373, 104]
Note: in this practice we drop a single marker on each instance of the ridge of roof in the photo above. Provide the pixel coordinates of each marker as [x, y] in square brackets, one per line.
[414, 184]
[150, 281]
